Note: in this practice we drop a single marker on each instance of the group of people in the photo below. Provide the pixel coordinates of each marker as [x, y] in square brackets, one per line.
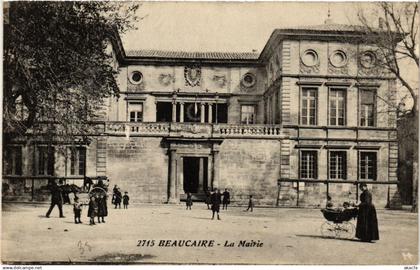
[215, 198]
[117, 197]
[97, 203]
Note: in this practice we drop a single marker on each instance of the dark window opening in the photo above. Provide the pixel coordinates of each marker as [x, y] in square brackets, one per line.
[220, 112]
[164, 112]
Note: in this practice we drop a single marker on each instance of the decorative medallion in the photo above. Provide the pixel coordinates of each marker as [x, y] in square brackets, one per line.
[310, 58]
[166, 79]
[338, 63]
[135, 77]
[309, 62]
[219, 80]
[192, 75]
[248, 80]
[338, 59]
[368, 59]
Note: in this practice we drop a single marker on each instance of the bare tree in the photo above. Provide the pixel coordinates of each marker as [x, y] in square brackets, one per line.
[393, 29]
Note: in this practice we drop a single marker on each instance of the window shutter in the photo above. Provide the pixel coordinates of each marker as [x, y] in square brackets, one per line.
[315, 153]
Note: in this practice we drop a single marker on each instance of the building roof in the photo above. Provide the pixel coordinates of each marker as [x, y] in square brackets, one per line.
[193, 55]
[329, 27]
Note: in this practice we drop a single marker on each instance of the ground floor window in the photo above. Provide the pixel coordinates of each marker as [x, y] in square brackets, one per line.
[367, 165]
[77, 161]
[337, 165]
[45, 160]
[13, 160]
[308, 164]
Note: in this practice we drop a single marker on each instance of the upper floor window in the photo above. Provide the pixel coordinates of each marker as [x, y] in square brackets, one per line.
[13, 160]
[77, 161]
[45, 160]
[337, 107]
[367, 108]
[337, 165]
[308, 164]
[367, 165]
[247, 114]
[309, 106]
[135, 111]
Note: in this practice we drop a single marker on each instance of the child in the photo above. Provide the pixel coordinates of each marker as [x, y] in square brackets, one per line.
[92, 210]
[330, 204]
[189, 201]
[102, 208]
[250, 203]
[125, 200]
[77, 209]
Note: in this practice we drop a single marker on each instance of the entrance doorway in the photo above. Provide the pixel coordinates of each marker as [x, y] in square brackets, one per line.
[195, 174]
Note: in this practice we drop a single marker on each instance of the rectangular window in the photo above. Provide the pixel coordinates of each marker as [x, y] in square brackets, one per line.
[247, 114]
[309, 106]
[337, 107]
[45, 160]
[77, 161]
[135, 111]
[13, 160]
[308, 165]
[338, 165]
[367, 108]
[367, 165]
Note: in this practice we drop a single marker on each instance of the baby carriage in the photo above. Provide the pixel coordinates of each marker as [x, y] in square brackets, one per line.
[338, 223]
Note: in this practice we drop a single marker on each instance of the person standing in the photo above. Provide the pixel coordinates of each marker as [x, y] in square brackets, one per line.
[92, 210]
[367, 222]
[117, 198]
[208, 200]
[189, 201]
[126, 199]
[77, 209]
[216, 200]
[250, 204]
[226, 199]
[102, 208]
[56, 199]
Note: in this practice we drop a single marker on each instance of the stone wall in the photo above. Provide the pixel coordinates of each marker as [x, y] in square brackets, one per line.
[250, 167]
[139, 166]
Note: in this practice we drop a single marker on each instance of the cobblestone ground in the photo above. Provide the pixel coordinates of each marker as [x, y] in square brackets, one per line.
[289, 236]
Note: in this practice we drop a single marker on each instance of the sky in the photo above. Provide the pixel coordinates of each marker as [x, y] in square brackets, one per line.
[226, 26]
[234, 26]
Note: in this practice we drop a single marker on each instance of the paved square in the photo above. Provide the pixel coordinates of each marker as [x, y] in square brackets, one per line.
[288, 236]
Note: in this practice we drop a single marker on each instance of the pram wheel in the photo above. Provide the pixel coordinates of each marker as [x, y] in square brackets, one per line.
[328, 229]
[345, 230]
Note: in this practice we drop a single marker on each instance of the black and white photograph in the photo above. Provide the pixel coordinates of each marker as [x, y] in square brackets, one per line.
[209, 133]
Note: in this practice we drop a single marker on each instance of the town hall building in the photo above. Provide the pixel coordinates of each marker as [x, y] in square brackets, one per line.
[311, 115]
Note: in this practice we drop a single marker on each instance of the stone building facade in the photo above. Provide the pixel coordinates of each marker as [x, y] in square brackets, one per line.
[311, 115]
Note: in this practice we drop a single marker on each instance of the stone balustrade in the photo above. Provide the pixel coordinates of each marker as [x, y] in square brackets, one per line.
[193, 130]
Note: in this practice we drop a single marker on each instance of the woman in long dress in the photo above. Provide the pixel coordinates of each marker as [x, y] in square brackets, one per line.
[367, 222]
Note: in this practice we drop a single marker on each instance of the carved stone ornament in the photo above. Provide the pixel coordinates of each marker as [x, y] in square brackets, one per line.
[248, 80]
[309, 62]
[166, 79]
[338, 63]
[192, 75]
[220, 80]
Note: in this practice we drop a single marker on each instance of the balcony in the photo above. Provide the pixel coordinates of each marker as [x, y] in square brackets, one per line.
[193, 130]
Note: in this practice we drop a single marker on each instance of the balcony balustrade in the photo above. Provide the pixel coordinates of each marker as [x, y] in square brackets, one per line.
[193, 130]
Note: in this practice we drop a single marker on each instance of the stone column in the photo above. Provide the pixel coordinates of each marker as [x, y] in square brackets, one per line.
[210, 112]
[203, 113]
[201, 175]
[181, 112]
[174, 111]
[215, 182]
[172, 177]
